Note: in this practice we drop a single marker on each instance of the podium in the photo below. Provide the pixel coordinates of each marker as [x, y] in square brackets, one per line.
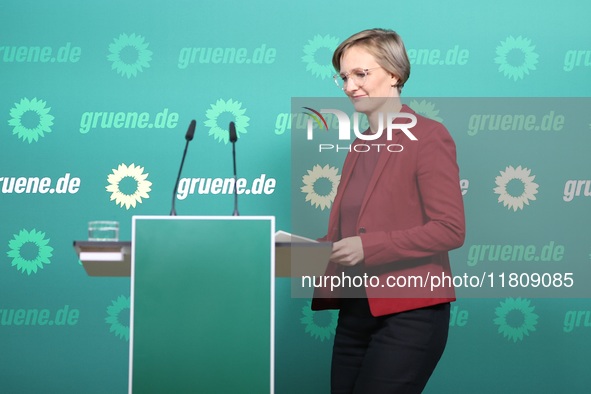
[202, 305]
[202, 299]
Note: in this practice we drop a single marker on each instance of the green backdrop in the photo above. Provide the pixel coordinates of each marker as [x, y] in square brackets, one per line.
[95, 101]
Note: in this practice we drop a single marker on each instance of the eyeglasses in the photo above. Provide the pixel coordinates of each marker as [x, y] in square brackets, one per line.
[358, 75]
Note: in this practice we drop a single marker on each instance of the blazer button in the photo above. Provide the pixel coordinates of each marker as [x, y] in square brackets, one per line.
[362, 230]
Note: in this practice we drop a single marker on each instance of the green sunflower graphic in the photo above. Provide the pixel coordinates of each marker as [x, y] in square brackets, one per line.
[425, 108]
[29, 251]
[513, 48]
[319, 325]
[528, 190]
[138, 178]
[515, 318]
[323, 70]
[236, 112]
[312, 185]
[114, 312]
[30, 119]
[129, 54]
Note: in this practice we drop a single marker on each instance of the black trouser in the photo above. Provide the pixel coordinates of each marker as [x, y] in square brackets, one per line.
[388, 354]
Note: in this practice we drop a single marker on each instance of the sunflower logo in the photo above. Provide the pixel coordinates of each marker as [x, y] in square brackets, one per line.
[129, 54]
[425, 108]
[516, 57]
[515, 318]
[525, 182]
[236, 114]
[319, 325]
[30, 119]
[327, 42]
[139, 189]
[114, 314]
[29, 251]
[320, 185]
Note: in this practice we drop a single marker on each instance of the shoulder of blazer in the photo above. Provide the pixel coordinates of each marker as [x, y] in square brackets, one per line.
[425, 127]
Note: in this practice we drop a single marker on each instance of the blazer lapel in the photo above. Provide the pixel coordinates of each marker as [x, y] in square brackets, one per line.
[346, 171]
[377, 172]
[385, 155]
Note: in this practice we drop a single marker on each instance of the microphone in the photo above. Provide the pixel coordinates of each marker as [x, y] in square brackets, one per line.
[233, 139]
[188, 138]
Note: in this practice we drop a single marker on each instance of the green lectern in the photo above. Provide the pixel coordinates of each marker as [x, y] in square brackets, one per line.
[202, 304]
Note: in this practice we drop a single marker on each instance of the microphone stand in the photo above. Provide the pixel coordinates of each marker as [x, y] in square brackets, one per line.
[188, 137]
[233, 139]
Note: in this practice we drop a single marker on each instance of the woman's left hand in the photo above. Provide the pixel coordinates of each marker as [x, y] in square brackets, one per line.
[347, 251]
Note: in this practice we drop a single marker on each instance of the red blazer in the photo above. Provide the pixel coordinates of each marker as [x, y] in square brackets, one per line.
[411, 216]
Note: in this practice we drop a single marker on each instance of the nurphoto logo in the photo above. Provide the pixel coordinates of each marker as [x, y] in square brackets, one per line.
[388, 123]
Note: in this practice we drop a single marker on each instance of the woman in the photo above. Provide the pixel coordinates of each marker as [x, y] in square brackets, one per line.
[395, 217]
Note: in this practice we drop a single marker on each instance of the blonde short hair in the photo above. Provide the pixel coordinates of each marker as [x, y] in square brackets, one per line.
[385, 46]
